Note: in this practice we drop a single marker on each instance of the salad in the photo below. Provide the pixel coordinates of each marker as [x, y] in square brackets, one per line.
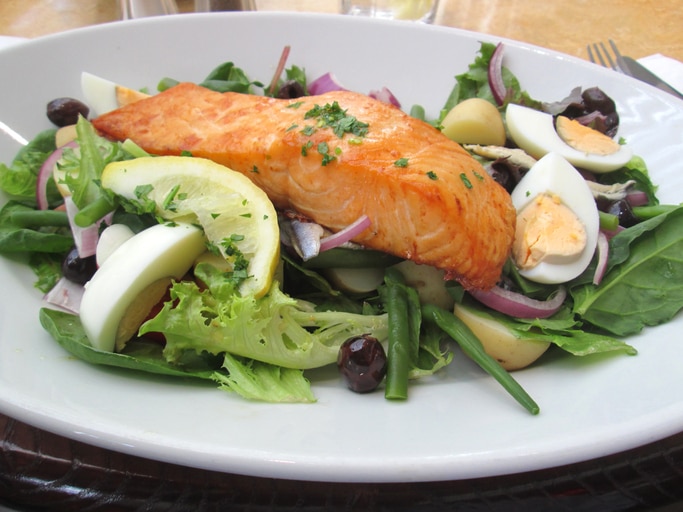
[586, 313]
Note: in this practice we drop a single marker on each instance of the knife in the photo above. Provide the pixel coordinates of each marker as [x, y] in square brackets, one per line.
[635, 69]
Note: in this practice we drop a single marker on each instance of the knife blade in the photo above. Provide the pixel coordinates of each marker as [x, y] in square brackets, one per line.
[635, 69]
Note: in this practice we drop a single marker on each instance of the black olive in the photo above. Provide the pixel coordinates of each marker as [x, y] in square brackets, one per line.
[622, 209]
[65, 111]
[291, 89]
[78, 270]
[362, 362]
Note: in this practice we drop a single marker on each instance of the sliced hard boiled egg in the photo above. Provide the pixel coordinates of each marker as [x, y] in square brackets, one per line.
[133, 279]
[534, 131]
[103, 95]
[111, 239]
[557, 222]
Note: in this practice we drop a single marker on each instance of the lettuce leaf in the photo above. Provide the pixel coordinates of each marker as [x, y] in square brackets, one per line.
[255, 380]
[275, 329]
[474, 83]
[19, 180]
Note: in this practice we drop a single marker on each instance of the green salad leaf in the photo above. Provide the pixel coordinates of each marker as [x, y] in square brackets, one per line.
[474, 83]
[644, 284]
[275, 329]
[20, 178]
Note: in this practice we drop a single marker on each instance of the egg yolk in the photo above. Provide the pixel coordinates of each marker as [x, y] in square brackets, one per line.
[547, 230]
[584, 138]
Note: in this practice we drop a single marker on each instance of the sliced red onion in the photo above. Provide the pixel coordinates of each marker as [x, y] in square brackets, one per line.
[518, 305]
[85, 238]
[65, 295]
[611, 234]
[495, 75]
[280, 68]
[45, 173]
[637, 198]
[345, 235]
[385, 95]
[603, 254]
[325, 83]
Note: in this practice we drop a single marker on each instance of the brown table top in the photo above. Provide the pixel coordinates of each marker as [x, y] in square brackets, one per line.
[640, 27]
[43, 471]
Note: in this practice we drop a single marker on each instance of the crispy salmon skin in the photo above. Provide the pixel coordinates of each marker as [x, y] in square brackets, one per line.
[334, 157]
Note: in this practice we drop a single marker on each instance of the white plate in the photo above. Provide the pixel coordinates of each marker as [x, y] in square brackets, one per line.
[459, 425]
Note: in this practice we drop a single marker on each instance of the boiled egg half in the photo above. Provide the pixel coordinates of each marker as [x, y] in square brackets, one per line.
[535, 132]
[557, 222]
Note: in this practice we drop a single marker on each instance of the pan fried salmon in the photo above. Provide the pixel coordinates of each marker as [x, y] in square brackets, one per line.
[335, 157]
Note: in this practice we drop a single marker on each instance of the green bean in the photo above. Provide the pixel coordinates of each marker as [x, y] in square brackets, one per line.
[418, 112]
[404, 315]
[608, 221]
[648, 212]
[39, 218]
[471, 346]
[94, 211]
[341, 257]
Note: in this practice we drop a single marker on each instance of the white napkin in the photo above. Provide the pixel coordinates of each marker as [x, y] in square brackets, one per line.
[668, 69]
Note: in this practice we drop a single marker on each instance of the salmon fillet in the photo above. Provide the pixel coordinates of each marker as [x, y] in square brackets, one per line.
[335, 157]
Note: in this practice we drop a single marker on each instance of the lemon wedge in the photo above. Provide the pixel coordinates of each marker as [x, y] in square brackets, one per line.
[410, 9]
[237, 217]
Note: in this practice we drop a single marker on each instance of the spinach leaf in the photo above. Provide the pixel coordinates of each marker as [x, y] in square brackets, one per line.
[644, 285]
[250, 379]
[140, 355]
[15, 237]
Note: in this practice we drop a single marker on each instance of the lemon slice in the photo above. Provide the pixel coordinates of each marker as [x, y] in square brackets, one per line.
[238, 218]
[410, 9]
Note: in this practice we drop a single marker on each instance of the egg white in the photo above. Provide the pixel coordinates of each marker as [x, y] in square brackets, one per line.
[553, 174]
[534, 131]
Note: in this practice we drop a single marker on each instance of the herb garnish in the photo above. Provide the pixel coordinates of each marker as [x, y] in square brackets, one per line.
[401, 162]
[334, 117]
[465, 180]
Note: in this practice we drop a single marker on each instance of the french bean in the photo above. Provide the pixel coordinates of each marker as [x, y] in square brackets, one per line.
[471, 346]
[608, 221]
[403, 312]
[39, 218]
[94, 211]
[341, 257]
[648, 212]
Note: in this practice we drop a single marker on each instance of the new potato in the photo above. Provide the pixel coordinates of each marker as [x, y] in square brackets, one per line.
[474, 121]
[512, 352]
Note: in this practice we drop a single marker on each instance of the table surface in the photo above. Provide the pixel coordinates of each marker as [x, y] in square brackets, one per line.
[639, 27]
[42, 471]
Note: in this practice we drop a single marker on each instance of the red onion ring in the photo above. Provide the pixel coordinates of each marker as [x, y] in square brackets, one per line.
[495, 75]
[340, 237]
[518, 305]
[385, 95]
[45, 173]
[325, 83]
[603, 254]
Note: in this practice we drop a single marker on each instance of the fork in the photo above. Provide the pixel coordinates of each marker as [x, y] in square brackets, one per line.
[598, 53]
[603, 56]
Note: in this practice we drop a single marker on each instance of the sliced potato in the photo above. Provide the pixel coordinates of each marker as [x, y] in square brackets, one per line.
[510, 350]
[475, 121]
[429, 283]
